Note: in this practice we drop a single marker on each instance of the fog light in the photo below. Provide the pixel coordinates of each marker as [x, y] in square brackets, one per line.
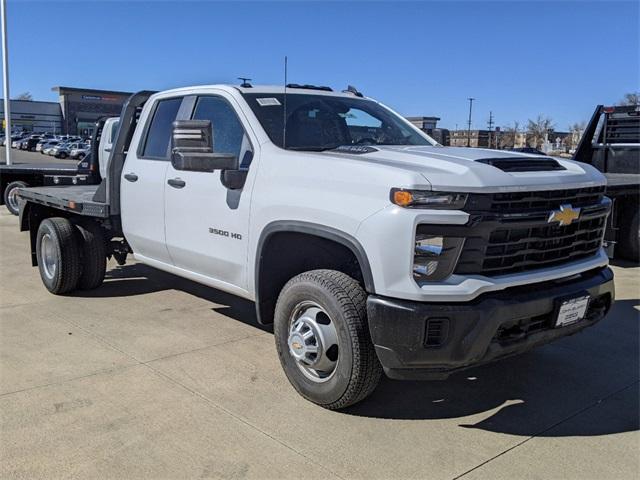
[434, 257]
[427, 250]
[56, 180]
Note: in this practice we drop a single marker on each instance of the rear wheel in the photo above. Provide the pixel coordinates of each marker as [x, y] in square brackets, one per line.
[323, 341]
[94, 256]
[11, 196]
[58, 255]
[630, 238]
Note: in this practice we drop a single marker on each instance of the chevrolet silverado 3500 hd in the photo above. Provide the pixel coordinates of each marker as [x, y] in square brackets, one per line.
[370, 247]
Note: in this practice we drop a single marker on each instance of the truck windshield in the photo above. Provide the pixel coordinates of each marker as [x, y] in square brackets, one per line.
[323, 122]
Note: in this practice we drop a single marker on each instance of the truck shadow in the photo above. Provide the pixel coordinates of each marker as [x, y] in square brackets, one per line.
[623, 263]
[589, 383]
[593, 376]
[138, 279]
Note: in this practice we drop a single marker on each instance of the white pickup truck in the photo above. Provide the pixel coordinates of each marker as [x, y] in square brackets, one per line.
[370, 247]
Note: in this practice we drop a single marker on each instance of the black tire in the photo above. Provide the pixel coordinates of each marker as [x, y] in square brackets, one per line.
[10, 201]
[62, 155]
[358, 371]
[93, 253]
[630, 237]
[64, 252]
[81, 156]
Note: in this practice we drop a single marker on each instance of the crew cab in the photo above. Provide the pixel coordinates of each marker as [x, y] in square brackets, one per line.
[367, 245]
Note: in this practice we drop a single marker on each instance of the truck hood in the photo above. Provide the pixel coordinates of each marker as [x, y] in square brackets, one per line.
[477, 169]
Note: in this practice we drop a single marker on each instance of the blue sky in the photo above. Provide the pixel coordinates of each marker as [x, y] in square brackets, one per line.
[518, 58]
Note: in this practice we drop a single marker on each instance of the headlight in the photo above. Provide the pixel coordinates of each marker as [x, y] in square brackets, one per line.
[428, 199]
[435, 257]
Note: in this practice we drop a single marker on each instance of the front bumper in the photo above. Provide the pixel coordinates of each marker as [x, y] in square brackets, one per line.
[418, 340]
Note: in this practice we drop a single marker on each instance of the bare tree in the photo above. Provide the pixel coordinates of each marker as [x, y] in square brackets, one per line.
[575, 133]
[508, 135]
[24, 96]
[538, 129]
[632, 98]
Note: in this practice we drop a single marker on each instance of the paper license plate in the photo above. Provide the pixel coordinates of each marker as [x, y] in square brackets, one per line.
[572, 311]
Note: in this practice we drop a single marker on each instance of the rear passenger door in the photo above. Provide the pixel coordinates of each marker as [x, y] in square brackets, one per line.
[142, 183]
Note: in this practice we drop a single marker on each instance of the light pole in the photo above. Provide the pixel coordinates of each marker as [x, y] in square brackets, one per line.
[5, 79]
[469, 123]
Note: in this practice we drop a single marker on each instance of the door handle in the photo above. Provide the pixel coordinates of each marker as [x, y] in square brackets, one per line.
[176, 182]
[132, 177]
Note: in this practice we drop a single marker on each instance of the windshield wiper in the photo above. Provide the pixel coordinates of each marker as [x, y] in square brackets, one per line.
[314, 149]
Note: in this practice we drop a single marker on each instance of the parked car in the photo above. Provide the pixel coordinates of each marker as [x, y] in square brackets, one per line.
[29, 143]
[370, 248]
[80, 151]
[16, 141]
[46, 148]
[63, 150]
[53, 151]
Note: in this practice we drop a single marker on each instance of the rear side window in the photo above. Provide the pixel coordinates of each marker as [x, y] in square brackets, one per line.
[159, 132]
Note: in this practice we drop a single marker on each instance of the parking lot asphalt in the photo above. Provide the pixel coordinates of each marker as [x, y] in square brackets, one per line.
[22, 156]
[152, 376]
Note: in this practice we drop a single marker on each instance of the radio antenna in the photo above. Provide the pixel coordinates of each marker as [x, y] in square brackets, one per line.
[284, 107]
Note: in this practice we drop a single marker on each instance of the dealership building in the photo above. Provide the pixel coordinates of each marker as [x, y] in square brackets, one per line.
[75, 112]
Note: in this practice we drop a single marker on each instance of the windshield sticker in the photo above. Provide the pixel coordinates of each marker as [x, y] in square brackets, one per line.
[268, 102]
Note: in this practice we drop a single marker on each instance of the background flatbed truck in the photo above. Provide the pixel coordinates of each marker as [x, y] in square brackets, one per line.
[611, 143]
[23, 175]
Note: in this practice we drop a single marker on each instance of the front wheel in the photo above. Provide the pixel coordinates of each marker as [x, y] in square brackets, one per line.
[11, 196]
[322, 338]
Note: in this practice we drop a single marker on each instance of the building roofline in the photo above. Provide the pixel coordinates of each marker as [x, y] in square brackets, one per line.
[31, 101]
[61, 88]
[422, 118]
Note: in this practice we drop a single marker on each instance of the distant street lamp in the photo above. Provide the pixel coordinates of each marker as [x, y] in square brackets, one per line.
[469, 123]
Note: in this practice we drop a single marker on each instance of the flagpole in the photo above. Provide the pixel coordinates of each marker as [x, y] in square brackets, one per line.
[5, 78]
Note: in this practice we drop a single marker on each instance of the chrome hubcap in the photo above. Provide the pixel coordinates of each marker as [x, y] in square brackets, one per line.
[48, 256]
[313, 342]
[12, 198]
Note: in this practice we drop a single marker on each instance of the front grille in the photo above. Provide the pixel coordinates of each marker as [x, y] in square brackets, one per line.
[520, 202]
[515, 238]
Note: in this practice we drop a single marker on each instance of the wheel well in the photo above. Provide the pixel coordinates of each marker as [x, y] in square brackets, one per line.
[284, 254]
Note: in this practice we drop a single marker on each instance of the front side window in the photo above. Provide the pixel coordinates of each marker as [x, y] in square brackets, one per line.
[228, 133]
[323, 122]
[159, 132]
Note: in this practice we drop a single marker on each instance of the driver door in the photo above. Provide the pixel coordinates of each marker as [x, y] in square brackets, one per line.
[206, 223]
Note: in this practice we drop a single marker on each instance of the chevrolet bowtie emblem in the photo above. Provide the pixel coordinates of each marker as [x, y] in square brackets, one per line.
[565, 216]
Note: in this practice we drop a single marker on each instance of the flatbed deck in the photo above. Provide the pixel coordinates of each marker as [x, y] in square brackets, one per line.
[623, 183]
[77, 199]
[43, 168]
